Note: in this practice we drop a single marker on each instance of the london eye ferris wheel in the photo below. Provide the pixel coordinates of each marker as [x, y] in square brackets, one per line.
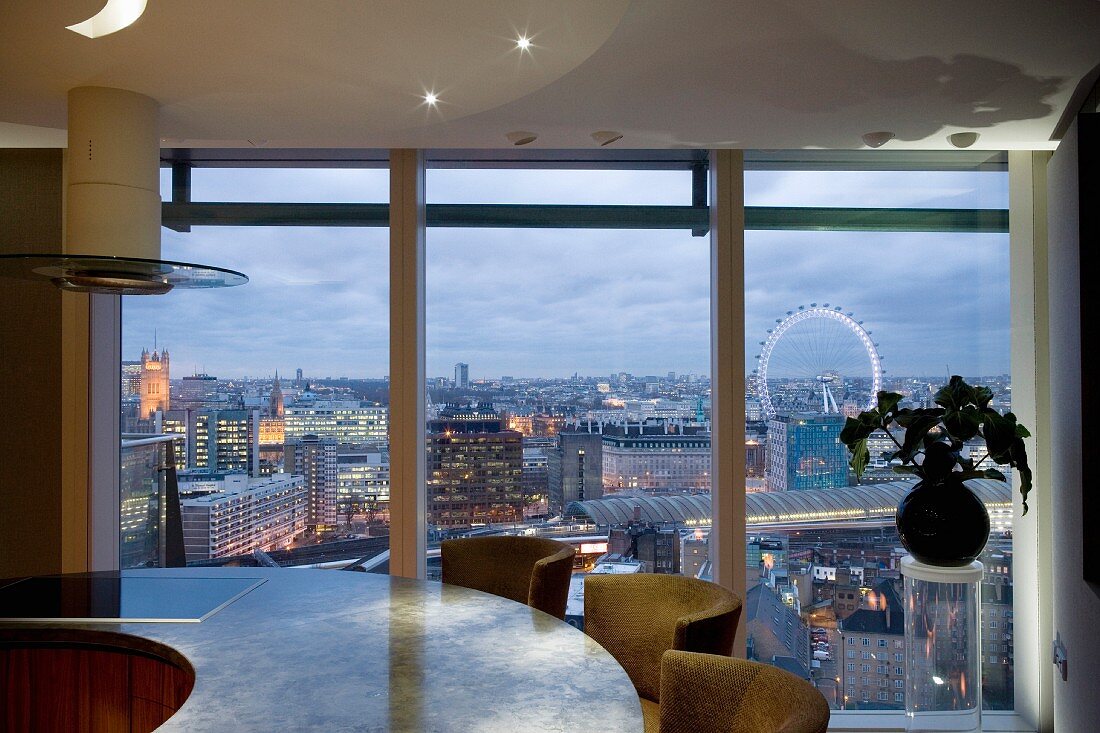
[822, 347]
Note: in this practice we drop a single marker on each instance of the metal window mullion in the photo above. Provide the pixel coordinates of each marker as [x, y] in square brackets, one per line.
[183, 215]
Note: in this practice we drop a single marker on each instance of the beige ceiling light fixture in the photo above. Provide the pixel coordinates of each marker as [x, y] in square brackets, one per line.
[112, 17]
[877, 139]
[963, 139]
[112, 206]
[521, 137]
[606, 137]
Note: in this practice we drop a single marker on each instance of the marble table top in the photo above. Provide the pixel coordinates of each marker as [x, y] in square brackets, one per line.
[342, 651]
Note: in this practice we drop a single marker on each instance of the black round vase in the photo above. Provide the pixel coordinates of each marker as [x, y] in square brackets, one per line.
[943, 523]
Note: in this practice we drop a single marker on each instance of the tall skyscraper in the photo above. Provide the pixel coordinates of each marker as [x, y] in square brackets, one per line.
[804, 452]
[154, 383]
[462, 375]
[475, 469]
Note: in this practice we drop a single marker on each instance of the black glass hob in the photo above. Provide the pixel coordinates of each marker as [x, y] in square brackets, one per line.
[121, 596]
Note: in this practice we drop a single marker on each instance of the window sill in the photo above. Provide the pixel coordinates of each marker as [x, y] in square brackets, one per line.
[889, 722]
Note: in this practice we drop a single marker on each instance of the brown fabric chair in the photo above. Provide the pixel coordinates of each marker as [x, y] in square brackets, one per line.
[707, 693]
[638, 617]
[530, 570]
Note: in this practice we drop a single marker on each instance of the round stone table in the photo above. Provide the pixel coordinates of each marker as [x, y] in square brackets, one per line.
[343, 651]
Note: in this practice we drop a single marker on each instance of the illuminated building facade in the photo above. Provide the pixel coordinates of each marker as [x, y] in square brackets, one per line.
[154, 383]
[131, 379]
[641, 460]
[475, 469]
[362, 479]
[804, 452]
[226, 441]
[346, 421]
[314, 458]
[254, 514]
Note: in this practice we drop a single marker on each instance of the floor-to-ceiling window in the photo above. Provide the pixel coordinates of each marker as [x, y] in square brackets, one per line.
[857, 281]
[567, 368]
[274, 393]
[567, 364]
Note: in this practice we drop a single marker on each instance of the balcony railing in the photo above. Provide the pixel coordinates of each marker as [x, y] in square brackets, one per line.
[150, 528]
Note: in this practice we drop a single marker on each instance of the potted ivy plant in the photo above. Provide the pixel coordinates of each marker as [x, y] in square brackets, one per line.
[942, 522]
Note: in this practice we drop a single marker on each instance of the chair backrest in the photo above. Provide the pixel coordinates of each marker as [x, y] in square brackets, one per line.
[531, 570]
[638, 617]
[708, 693]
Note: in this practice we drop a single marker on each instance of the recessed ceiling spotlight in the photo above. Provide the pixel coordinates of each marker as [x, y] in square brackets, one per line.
[877, 139]
[521, 137]
[606, 137]
[113, 16]
[523, 43]
[963, 139]
[431, 99]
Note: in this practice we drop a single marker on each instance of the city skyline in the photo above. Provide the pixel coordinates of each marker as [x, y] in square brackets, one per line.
[545, 302]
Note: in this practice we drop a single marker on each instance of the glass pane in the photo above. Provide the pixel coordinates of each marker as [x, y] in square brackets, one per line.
[822, 309]
[566, 367]
[595, 187]
[297, 185]
[878, 189]
[274, 395]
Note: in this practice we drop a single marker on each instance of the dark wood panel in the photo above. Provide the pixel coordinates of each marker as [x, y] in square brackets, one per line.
[146, 715]
[157, 681]
[46, 688]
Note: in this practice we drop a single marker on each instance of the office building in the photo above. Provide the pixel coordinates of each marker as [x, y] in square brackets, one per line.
[131, 379]
[462, 376]
[574, 469]
[648, 456]
[346, 421]
[223, 517]
[475, 469]
[804, 452]
[314, 458]
[362, 480]
[195, 390]
[225, 441]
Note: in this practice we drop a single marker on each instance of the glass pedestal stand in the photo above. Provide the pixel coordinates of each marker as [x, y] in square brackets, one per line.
[943, 689]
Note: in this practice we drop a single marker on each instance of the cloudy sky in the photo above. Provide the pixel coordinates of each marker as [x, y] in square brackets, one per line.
[544, 302]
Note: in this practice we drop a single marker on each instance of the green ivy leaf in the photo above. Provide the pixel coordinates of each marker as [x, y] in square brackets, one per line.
[887, 402]
[915, 432]
[962, 423]
[861, 456]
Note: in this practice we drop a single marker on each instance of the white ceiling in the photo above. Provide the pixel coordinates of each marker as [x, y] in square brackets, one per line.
[666, 73]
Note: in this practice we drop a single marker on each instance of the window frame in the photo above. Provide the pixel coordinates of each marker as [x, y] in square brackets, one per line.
[1022, 221]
